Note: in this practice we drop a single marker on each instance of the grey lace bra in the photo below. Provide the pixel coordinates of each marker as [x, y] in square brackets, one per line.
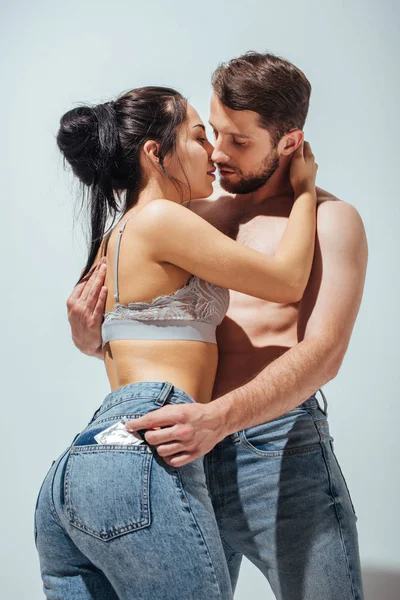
[191, 313]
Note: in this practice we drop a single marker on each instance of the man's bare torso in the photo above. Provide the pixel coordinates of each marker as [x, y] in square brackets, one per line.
[254, 332]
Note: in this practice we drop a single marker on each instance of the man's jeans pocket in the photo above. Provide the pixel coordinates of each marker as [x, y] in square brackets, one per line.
[106, 489]
[292, 433]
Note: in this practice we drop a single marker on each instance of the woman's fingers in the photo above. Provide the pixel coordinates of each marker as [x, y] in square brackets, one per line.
[299, 152]
[307, 150]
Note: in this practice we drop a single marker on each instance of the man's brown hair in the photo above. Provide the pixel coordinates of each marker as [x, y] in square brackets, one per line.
[268, 85]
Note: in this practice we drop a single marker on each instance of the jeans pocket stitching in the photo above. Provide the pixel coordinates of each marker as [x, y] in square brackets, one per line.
[277, 453]
[145, 509]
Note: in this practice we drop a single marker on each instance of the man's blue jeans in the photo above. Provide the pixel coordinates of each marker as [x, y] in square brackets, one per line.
[116, 522]
[281, 500]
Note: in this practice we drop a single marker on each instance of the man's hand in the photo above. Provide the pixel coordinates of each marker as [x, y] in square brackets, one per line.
[187, 431]
[86, 307]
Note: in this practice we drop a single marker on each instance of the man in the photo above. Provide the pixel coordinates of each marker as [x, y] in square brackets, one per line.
[278, 492]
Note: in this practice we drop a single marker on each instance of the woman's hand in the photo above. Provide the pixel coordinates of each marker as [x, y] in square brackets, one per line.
[303, 169]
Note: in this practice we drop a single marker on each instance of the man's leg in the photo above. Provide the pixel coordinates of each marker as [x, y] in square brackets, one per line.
[280, 499]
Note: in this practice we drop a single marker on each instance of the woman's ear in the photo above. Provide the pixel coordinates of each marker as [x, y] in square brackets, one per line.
[151, 151]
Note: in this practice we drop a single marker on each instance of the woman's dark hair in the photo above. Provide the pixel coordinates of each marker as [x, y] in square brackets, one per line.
[268, 85]
[102, 144]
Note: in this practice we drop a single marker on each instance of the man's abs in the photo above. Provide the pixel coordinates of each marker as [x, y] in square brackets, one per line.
[252, 335]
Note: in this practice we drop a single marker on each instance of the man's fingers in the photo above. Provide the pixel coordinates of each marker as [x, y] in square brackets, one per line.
[158, 418]
[90, 283]
[96, 286]
[76, 293]
[81, 290]
[80, 287]
[169, 449]
[99, 309]
[162, 436]
[91, 271]
[180, 459]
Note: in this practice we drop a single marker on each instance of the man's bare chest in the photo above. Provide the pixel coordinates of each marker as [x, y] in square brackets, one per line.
[262, 232]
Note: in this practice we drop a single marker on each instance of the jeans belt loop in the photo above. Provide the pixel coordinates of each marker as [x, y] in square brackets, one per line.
[164, 394]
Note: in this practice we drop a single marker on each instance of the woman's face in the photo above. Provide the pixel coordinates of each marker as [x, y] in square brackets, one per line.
[192, 161]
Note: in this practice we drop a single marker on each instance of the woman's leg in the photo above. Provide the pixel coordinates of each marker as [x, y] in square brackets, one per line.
[148, 528]
[67, 574]
[174, 553]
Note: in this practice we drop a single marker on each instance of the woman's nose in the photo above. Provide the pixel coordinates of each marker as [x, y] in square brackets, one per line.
[210, 149]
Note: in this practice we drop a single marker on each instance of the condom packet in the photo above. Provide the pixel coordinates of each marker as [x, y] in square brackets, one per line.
[117, 434]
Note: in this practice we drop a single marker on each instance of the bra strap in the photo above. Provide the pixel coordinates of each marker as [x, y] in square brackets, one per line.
[121, 231]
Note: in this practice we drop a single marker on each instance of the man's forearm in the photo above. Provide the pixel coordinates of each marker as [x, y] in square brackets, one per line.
[280, 387]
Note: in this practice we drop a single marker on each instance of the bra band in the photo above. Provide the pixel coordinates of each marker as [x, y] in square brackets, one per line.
[168, 329]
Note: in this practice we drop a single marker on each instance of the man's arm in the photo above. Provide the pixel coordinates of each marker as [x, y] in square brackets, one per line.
[327, 315]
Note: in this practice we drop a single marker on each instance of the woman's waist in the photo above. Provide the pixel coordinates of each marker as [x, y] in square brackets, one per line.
[190, 366]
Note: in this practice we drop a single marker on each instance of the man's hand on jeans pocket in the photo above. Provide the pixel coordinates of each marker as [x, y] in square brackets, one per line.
[86, 306]
[181, 432]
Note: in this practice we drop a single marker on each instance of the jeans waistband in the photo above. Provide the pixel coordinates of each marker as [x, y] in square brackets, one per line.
[164, 392]
[161, 392]
[312, 401]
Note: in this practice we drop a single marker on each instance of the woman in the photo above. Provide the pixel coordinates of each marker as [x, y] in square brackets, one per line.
[113, 520]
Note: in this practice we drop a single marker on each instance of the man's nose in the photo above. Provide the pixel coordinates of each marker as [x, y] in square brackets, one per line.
[219, 156]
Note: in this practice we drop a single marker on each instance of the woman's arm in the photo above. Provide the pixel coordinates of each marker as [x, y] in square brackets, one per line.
[181, 237]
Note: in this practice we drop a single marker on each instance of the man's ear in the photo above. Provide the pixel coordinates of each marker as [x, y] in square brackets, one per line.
[151, 151]
[290, 141]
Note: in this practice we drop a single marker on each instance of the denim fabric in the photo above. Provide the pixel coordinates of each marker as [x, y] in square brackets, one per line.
[281, 500]
[116, 522]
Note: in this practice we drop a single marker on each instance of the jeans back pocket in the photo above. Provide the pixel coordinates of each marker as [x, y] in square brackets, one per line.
[106, 489]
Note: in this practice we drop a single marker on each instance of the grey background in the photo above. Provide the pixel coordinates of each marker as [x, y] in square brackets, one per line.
[57, 54]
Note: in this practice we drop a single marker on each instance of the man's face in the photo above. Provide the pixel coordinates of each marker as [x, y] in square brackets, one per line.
[244, 153]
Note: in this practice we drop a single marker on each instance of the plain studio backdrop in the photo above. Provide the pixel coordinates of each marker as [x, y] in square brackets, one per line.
[57, 55]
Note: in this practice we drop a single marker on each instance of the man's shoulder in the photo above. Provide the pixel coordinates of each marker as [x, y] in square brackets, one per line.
[327, 200]
[329, 205]
[337, 219]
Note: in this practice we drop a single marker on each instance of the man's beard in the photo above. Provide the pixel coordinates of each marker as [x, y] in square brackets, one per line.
[254, 180]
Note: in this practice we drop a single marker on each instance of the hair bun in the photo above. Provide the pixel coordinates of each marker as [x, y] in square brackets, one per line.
[88, 139]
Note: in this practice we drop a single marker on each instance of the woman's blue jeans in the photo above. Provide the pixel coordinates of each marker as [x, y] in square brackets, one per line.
[116, 522]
